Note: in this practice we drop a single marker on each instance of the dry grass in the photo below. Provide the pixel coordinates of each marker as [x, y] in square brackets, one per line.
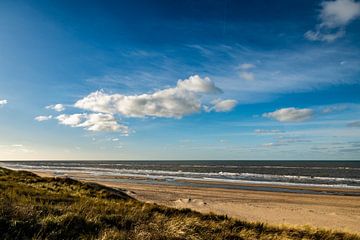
[32, 207]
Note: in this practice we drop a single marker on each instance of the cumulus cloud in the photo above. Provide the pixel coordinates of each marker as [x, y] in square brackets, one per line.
[3, 102]
[185, 98]
[72, 120]
[176, 102]
[334, 17]
[197, 84]
[354, 124]
[93, 122]
[57, 107]
[43, 118]
[290, 114]
[222, 105]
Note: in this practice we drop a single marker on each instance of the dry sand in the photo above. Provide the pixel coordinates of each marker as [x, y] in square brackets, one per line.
[326, 211]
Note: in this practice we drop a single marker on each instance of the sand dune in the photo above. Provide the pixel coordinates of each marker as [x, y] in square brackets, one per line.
[327, 211]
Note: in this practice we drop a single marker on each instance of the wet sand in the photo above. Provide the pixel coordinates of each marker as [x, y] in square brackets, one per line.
[327, 211]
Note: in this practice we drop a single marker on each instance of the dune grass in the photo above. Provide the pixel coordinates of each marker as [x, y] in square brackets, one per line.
[32, 207]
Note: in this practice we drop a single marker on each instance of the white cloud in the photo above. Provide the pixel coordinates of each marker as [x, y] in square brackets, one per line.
[286, 142]
[246, 66]
[334, 16]
[183, 99]
[222, 105]
[93, 122]
[267, 131]
[273, 144]
[334, 108]
[17, 145]
[72, 120]
[245, 71]
[43, 118]
[3, 102]
[103, 122]
[248, 76]
[326, 37]
[197, 84]
[176, 102]
[290, 114]
[57, 107]
[18, 148]
[339, 13]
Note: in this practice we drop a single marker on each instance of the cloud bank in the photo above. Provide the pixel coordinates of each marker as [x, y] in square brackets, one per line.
[334, 17]
[290, 114]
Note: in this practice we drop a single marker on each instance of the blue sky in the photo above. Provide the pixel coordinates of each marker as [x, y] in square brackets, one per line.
[180, 80]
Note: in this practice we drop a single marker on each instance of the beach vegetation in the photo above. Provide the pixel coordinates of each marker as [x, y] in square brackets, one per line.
[33, 207]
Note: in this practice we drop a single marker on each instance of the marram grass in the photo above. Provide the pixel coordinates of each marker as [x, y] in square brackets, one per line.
[32, 207]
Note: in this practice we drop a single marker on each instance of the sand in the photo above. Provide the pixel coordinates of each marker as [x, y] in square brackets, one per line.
[326, 211]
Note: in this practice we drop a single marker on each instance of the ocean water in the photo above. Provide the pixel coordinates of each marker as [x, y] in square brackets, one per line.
[329, 174]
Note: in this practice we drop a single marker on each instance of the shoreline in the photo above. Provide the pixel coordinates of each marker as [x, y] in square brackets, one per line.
[252, 186]
[296, 209]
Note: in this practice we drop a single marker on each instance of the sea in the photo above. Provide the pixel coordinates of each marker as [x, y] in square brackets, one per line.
[284, 176]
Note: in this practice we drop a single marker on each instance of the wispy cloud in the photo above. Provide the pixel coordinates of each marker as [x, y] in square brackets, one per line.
[43, 118]
[221, 105]
[334, 17]
[334, 108]
[245, 71]
[15, 148]
[57, 107]
[285, 142]
[268, 131]
[249, 76]
[290, 114]
[304, 69]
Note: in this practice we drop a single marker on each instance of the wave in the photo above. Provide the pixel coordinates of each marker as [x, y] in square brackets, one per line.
[244, 177]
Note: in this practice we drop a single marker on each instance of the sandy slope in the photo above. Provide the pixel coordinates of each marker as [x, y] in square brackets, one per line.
[328, 211]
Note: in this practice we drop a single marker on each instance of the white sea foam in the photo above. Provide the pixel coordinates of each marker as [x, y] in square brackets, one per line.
[245, 177]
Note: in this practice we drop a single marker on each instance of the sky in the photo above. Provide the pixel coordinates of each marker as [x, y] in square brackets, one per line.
[179, 80]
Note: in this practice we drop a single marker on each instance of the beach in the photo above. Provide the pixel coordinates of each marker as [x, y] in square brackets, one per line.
[318, 194]
[335, 212]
